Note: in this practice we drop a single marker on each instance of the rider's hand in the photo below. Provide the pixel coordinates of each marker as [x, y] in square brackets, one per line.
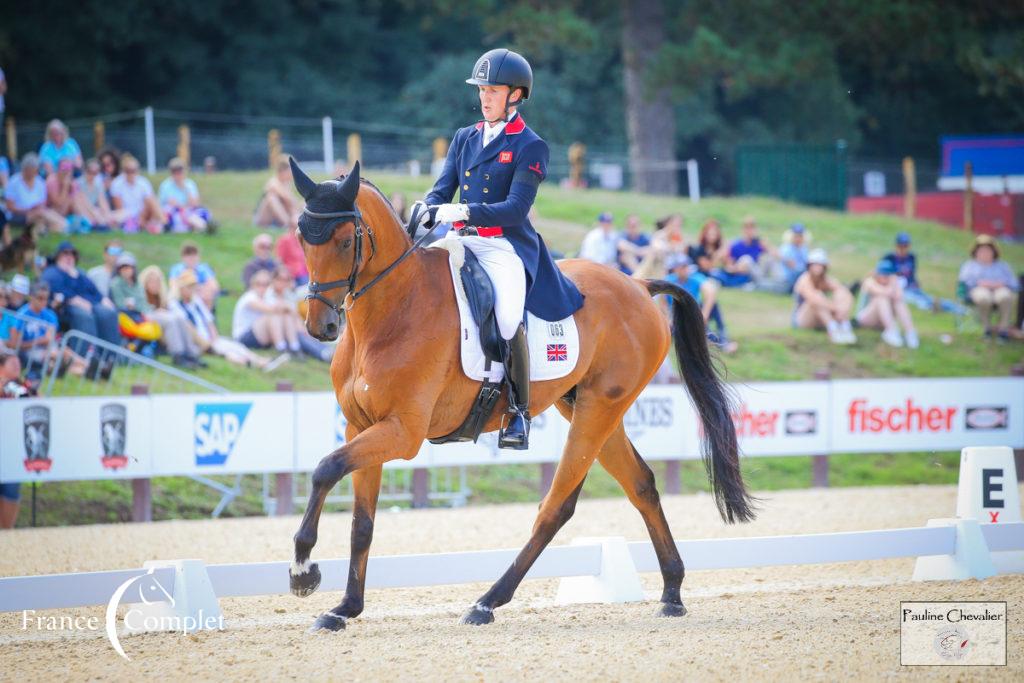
[450, 213]
[422, 213]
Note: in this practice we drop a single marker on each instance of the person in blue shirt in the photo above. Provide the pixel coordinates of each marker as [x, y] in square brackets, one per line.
[37, 331]
[209, 287]
[59, 145]
[683, 272]
[633, 246]
[793, 256]
[906, 268]
[497, 165]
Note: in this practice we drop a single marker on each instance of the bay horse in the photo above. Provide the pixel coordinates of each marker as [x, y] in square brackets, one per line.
[398, 379]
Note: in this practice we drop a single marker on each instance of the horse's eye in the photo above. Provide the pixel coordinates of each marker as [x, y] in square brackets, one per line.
[347, 243]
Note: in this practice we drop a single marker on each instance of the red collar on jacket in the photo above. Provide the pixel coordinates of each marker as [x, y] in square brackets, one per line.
[513, 127]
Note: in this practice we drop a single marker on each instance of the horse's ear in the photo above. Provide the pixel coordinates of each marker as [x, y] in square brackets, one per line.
[350, 186]
[303, 183]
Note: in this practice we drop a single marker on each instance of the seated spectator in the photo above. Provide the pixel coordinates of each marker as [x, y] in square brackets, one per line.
[8, 323]
[793, 256]
[814, 309]
[17, 292]
[179, 199]
[601, 244]
[705, 290]
[633, 246]
[59, 145]
[34, 339]
[25, 198]
[906, 267]
[749, 261]
[262, 324]
[209, 288]
[283, 295]
[262, 248]
[289, 252]
[667, 242]
[709, 252]
[203, 328]
[110, 168]
[5, 174]
[81, 306]
[135, 206]
[11, 386]
[103, 273]
[64, 197]
[885, 308]
[176, 336]
[94, 205]
[278, 207]
[990, 284]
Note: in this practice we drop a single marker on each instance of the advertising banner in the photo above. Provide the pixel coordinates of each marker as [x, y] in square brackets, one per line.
[782, 418]
[75, 438]
[662, 425]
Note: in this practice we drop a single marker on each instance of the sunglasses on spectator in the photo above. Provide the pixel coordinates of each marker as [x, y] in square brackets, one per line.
[178, 170]
[131, 169]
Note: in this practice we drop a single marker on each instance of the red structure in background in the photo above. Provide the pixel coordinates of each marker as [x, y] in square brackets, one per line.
[999, 215]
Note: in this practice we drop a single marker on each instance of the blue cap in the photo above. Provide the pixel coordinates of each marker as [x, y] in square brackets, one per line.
[605, 217]
[797, 228]
[65, 246]
[885, 267]
[902, 238]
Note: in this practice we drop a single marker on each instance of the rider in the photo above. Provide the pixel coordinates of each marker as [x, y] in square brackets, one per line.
[498, 164]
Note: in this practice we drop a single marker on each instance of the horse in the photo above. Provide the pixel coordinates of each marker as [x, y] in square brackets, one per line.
[398, 380]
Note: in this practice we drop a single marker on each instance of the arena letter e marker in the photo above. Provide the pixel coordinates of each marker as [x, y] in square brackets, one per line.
[988, 493]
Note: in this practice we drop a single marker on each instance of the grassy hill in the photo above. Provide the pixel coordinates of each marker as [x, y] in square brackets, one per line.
[769, 349]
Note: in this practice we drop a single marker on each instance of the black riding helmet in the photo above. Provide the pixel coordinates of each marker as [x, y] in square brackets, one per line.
[504, 67]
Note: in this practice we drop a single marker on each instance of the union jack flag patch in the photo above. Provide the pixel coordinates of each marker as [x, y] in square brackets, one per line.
[557, 352]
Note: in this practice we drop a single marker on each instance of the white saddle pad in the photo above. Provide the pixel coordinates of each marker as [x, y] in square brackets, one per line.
[554, 347]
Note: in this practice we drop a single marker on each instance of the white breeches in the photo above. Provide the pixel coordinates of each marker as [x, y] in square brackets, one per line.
[505, 269]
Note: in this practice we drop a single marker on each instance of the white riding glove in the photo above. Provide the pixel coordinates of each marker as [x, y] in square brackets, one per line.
[450, 213]
[423, 220]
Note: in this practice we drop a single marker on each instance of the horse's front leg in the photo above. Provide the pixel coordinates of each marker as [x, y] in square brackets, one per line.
[366, 489]
[383, 441]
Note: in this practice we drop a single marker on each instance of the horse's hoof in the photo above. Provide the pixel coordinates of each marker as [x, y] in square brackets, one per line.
[671, 609]
[328, 622]
[478, 615]
[304, 578]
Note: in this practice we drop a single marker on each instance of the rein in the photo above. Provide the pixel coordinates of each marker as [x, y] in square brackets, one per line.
[316, 289]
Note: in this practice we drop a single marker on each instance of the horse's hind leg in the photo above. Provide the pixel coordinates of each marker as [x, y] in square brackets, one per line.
[622, 461]
[586, 437]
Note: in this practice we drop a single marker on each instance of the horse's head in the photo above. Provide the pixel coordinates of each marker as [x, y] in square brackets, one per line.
[332, 234]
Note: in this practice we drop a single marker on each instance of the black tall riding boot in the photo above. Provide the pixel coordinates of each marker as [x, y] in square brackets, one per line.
[516, 434]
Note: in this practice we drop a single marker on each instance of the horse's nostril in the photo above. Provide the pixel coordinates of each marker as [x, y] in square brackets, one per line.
[331, 330]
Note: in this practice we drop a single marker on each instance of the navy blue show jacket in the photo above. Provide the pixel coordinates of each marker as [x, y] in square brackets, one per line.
[499, 183]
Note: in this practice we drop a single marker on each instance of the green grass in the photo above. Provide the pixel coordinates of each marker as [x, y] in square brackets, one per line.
[769, 349]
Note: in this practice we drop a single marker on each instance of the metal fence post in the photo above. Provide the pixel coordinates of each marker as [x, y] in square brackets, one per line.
[328, 130]
[285, 504]
[819, 463]
[273, 148]
[142, 489]
[150, 142]
[909, 187]
[693, 180]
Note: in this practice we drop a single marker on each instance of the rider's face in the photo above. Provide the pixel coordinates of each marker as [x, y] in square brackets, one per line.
[492, 101]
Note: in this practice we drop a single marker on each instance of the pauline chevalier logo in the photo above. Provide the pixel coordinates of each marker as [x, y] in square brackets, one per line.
[37, 438]
[113, 435]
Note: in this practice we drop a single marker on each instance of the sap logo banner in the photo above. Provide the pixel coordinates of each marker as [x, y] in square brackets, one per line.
[340, 425]
[217, 427]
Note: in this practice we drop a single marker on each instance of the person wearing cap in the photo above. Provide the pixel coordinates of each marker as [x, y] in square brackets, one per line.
[906, 268]
[822, 302]
[135, 205]
[884, 308]
[497, 166]
[17, 291]
[25, 198]
[82, 306]
[262, 257]
[179, 199]
[102, 274]
[601, 244]
[793, 255]
[36, 333]
[990, 285]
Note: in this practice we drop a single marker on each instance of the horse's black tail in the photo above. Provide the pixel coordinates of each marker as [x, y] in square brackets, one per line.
[711, 397]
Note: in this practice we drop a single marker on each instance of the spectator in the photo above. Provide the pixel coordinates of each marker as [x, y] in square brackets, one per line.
[59, 145]
[103, 273]
[278, 207]
[793, 256]
[400, 206]
[289, 252]
[5, 176]
[18, 291]
[750, 260]
[709, 252]
[176, 337]
[95, 206]
[814, 309]
[8, 323]
[282, 294]
[110, 168]
[667, 242]
[885, 308]
[34, 338]
[906, 267]
[26, 198]
[82, 306]
[262, 324]
[204, 330]
[601, 244]
[705, 290]
[209, 288]
[135, 206]
[179, 199]
[990, 284]
[262, 248]
[11, 386]
[633, 246]
[63, 196]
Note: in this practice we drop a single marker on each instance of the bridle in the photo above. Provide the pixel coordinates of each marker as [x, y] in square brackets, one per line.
[316, 289]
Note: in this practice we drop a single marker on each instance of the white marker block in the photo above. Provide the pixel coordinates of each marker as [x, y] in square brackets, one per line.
[988, 493]
[191, 605]
[618, 580]
[970, 560]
